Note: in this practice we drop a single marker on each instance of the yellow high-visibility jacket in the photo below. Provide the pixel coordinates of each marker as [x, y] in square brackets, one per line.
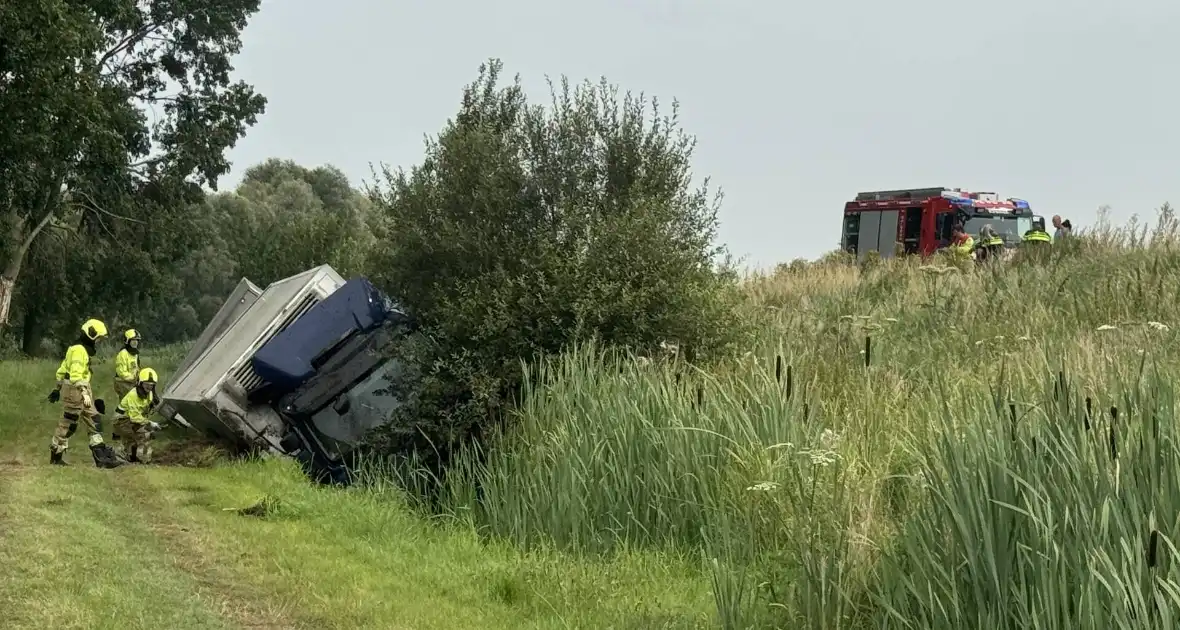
[136, 407]
[1034, 236]
[965, 248]
[126, 366]
[75, 367]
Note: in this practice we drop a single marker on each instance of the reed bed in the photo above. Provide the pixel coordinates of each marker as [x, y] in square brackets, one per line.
[905, 445]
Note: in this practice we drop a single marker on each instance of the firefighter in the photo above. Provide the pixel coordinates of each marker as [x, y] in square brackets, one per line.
[73, 389]
[1037, 236]
[961, 242]
[127, 364]
[131, 418]
[991, 246]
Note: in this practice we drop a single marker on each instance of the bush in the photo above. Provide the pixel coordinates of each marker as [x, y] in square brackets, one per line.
[527, 229]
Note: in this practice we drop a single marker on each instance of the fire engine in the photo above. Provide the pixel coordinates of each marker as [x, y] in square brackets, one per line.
[921, 220]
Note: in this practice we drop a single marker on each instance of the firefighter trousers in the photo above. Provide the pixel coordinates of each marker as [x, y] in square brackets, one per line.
[78, 405]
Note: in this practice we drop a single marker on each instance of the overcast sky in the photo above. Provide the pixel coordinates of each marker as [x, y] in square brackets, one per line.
[796, 106]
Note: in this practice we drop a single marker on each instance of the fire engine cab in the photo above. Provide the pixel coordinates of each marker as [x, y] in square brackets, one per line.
[921, 220]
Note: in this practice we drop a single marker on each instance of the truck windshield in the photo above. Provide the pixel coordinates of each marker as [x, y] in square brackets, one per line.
[1008, 228]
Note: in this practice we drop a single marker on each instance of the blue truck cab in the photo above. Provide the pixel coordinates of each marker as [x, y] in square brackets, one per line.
[302, 369]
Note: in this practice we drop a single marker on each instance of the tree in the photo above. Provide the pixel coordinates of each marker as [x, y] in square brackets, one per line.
[281, 219]
[75, 80]
[285, 218]
[526, 230]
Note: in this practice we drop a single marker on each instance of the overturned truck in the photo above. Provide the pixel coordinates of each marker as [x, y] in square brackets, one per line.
[301, 368]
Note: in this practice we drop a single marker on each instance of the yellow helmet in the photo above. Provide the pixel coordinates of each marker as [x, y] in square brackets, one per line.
[131, 334]
[148, 375]
[93, 329]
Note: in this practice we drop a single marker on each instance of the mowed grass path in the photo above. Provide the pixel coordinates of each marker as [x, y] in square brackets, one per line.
[166, 547]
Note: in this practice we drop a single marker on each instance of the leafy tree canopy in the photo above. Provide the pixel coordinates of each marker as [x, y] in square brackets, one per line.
[78, 80]
[527, 229]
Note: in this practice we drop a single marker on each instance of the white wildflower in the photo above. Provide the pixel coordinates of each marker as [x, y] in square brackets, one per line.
[1106, 327]
[999, 337]
[763, 486]
[829, 439]
[979, 343]
[1158, 325]
[821, 458]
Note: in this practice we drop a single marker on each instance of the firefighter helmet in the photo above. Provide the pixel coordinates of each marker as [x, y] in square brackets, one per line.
[94, 329]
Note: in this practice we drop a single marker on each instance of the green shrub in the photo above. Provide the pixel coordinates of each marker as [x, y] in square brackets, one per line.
[527, 229]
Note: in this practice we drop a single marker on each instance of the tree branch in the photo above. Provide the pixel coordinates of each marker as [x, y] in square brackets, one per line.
[12, 269]
[128, 42]
[93, 206]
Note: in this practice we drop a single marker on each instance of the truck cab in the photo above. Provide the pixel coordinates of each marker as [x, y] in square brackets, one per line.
[301, 369]
[920, 221]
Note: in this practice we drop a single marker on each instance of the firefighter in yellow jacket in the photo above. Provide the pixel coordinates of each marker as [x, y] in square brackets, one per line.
[962, 245]
[73, 389]
[131, 418]
[127, 364]
[1037, 236]
[990, 246]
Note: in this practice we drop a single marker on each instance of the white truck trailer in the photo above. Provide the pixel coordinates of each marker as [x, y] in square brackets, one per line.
[301, 368]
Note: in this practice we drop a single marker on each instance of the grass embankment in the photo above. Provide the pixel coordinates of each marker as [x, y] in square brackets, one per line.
[1002, 453]
[162, 547]
[904, 447]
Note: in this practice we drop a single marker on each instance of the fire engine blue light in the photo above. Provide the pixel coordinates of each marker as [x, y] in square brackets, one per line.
[1019, 203]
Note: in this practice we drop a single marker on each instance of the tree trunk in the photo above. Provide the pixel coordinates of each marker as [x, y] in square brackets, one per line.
[7, 287]
[17, 259]
[32, 332]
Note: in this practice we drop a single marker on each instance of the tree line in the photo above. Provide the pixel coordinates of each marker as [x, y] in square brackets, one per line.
[525, 229]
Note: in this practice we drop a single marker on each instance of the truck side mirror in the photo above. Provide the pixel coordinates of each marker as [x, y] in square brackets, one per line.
[342, 405]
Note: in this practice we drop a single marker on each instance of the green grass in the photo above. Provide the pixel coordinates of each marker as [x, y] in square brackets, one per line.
[169, 546]
[940, 477]
[905, 445]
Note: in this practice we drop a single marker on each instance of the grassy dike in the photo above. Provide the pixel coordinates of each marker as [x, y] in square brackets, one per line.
[167, 546]
[907, 444]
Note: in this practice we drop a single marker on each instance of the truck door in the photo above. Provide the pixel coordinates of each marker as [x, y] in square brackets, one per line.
[851, 241]
[944, 229]
[870, 233]
[912, 230]
[887, 235]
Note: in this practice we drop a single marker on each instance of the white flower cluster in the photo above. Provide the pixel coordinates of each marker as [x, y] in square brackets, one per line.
[823, 453]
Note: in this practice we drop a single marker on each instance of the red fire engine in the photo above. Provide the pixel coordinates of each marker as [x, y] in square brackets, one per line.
[920, 220]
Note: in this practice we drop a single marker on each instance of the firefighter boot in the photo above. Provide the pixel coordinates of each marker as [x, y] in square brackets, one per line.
[114, 459]
[104, 457]
[55, 457]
